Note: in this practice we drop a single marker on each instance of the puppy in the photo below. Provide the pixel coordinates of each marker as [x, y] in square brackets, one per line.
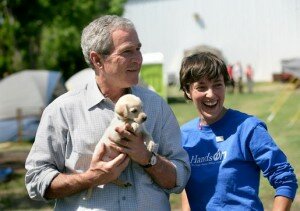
[128, 110]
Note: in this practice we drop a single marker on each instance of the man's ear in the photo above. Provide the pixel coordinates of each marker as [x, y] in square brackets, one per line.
[95, 59]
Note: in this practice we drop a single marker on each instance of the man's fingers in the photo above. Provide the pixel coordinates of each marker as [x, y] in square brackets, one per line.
[120, 148]
[124, 132]
[120, 159]
[124, 164]
[128, 127]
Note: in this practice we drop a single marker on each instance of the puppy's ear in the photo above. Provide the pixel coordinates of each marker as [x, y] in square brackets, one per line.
[121, 110]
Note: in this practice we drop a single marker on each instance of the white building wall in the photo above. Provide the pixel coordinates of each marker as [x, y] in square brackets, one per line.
[258, 32]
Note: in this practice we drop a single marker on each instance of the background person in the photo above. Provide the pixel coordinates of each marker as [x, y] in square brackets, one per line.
[62, 163]
[227, 148]
[249, 76]
[232, 82]
[238, 76]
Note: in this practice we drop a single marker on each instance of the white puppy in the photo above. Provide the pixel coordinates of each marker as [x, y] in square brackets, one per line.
[128, 109]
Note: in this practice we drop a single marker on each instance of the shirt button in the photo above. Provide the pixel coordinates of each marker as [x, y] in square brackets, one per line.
[123, 198]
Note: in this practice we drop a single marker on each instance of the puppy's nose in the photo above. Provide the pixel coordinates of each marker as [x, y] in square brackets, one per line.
[144, 118]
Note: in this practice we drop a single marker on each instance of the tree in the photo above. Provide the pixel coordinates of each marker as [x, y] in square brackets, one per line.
[45, 34]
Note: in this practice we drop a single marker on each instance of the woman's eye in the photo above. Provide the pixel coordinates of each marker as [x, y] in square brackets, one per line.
[201, 88]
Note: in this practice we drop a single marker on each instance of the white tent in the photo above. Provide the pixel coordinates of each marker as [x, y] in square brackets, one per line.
[23, 96]
[80, 79]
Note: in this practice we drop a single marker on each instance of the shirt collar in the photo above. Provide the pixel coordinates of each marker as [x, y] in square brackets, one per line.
[94, 96]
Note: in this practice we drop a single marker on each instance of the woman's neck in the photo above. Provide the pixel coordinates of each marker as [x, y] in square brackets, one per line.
[205, 122]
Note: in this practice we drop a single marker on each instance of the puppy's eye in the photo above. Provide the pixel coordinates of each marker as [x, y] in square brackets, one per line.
[134, 110]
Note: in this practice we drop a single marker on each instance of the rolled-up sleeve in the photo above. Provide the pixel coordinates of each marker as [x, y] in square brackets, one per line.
[172, 149]
[45, 160]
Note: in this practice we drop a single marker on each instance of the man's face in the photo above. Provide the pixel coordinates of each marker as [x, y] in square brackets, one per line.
[121, 68]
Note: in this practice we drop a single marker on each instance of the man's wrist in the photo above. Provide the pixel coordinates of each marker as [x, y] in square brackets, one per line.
[152, 160]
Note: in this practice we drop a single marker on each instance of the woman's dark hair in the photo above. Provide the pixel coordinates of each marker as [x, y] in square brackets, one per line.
[201, 65]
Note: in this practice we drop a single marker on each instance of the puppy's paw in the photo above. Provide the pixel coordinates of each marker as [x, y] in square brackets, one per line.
[135, 127]
[152, 146]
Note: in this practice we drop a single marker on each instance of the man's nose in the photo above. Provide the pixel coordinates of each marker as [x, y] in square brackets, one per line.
[137, 57]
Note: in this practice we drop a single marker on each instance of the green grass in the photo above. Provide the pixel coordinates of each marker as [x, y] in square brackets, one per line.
[284, 128]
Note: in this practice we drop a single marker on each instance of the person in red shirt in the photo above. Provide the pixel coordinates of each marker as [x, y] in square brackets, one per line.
[249, 76]
[232, 82]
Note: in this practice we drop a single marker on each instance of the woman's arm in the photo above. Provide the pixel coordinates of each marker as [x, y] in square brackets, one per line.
[282, 203]
[184, 202]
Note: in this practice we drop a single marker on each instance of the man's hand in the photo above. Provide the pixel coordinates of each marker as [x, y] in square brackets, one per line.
[101, 172]
[163, 173]
[133, 145]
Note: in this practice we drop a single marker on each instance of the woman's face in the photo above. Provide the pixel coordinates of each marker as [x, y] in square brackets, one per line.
[208, 97]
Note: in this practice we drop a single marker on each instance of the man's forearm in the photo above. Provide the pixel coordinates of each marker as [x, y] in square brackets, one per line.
[163, 173]
[65, 185]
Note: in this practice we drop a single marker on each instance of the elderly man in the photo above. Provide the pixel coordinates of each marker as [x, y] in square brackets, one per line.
[63, 163]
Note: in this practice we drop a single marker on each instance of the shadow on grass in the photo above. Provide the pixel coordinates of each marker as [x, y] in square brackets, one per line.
[174, 100]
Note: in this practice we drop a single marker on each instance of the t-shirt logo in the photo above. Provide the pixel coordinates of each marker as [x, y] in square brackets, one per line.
[209, 159]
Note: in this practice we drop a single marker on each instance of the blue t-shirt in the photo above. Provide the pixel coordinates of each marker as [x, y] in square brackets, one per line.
[226, 158]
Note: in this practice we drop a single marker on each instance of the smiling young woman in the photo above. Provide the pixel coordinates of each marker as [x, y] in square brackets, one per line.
[227, 148]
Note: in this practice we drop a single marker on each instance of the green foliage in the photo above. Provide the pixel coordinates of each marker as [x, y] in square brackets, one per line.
[8, 26]
[44, 34]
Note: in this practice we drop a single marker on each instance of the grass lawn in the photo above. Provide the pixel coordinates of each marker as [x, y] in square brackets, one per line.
[267, 98]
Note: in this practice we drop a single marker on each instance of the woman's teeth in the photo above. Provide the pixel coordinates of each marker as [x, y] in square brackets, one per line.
[210, 103]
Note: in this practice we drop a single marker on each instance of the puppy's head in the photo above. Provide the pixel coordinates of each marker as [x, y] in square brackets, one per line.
[129, 107]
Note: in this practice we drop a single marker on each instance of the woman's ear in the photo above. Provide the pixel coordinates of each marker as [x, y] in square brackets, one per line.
[95, 59]
[188, 94]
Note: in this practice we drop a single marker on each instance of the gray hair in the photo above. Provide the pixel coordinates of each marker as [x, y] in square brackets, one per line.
[97, 35]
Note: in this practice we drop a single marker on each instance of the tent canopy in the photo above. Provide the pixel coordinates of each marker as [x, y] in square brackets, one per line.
[80, 79]
[25, 94]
